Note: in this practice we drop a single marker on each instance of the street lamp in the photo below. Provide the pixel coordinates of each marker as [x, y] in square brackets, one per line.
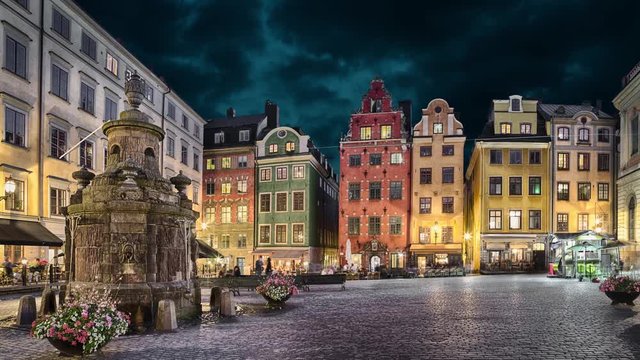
[9, 188]
[435, 232]
[24, 272]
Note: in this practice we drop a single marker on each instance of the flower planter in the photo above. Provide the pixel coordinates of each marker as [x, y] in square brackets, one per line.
[65, 347]
[619, 297]
[275, 304]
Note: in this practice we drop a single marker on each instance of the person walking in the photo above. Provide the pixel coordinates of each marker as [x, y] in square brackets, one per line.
[259, 266]
[236, 271]
[269, 269]
[8, 267]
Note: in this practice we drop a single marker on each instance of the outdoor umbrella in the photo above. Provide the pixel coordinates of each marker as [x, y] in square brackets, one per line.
[347, 252]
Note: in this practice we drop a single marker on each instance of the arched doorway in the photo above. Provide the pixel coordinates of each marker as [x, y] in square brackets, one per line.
[375, 263]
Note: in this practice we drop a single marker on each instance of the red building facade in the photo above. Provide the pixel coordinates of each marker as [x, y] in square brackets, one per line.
[375, 185]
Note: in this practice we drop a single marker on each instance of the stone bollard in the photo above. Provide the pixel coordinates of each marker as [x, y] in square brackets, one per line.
[227, 307]
[27, 311]
[48, 302]
[166, 317]
[215, 299]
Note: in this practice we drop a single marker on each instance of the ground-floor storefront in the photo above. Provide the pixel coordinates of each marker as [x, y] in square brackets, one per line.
[512, 252]
[375, 256]
[425, 256]
[296, 259]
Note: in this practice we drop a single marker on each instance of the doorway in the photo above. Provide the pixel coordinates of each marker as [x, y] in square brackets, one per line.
[375, 263]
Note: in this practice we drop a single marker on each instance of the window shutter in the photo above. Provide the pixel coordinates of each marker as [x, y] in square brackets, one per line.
[10, 61]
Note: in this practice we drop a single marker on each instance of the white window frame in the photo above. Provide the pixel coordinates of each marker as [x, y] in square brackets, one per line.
[286, 231]
[286, 201]
[297, 169]
[293, 241]
[286, 173]
[111, 64]
[244, 135]
[260, 203]
[304, 201]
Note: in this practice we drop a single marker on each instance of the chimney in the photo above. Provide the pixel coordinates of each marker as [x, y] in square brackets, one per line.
[405, 105]
[231, 112]
[272, 110]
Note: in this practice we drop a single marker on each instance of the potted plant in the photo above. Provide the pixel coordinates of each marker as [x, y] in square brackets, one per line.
[277, 289]
[621, 289]
[82, 325]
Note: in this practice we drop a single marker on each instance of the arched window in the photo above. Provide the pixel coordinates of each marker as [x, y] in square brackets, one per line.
[632, 219]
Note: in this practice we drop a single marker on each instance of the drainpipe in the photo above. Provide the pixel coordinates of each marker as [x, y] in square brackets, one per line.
[552, 196]
[41, 117]
[164, 96]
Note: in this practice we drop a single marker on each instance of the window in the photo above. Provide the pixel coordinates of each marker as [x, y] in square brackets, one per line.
[583, 161]
[265, 174]
[515, 105]
[515, 219]
[196, 194]
[290, 146]
[59, 82]
[525, 128]
[563, 191]
[209, 214]
[437, 128]
[583, 222]
[515, 186]
[603, 191]
[447, 234]
[603, 135]
[184, 155]
[87, 98]
[243, 135]
[424, 235]
[298, 201]
[365, 133]
[425, 176]
[354, 160]
[425, 205]
[86, 154]
[375, 159]
[265, 234]
[265, 202]
[242, 186]
[584, 191]
[110, 109]
[273, 148]
[23, 3]
[58, 142]
[447, 150]
[515, 156]
[281, 201]
[563, 133]
[583, 135]
[242, 214]
[534, 157]
[447, 204]
[425, 151]
[374, 225]
[298, 233]
[218, 137]
[171, 111]
[354, 191]
[282, 173]
[15, 201]
[395, 225]
[15, 127]
[149, 96]
[196, 161]
[562, 222]
[535, 219]
[298, 171]
[535, 185]
[88, 46]
[15, 57]
[634, 135]
[632, 219]
[226, 162]
[385, 132]
[354, 226]
[396, 158]
[281, 234]
[505, 128]
[171, 147]
[185, 123]
[495, 185]
[196, 131]
[495, 219]
[395, 190]
[225, 188]
[603, 162]
[211, 188]
[563, 161]
[112, 64]
[57, 200]
[495, 157]
[242, 242]
[242, 161]
[447, 175]
[375, 191]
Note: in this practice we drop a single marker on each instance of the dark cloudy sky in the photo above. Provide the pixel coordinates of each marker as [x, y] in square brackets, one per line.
[316, 58]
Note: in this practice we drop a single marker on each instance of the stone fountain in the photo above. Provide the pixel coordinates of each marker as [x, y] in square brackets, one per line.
[128, 231]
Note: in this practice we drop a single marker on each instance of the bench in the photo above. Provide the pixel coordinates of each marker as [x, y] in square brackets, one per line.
[304, 281]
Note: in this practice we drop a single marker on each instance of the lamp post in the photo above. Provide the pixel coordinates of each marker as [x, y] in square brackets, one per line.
[24, 272]
[436, 228]
[9, 188]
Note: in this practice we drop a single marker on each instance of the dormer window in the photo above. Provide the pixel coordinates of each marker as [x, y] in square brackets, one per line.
[376, 106]
[437, 128]
[505, 128]
[218, 137]
[273, 148]
[525, 128]
[290, 146]
[243, 135]
[583, 135]
[515, 103]
[385, 132]
[365, 133]
[563, 133]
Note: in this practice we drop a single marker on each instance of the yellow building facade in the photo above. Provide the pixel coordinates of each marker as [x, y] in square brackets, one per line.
[437, 197]
[508, 190]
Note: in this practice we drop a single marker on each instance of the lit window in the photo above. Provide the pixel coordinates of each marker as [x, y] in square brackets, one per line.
[425, 205]
[365, 133]
[438, 128]
[603, 191]
[226, 215]
[563, 133]
[243, 214]
[211, 164]
[385, 132]
[265, 174]
[396, 158]
[583, 135]
[535, 185]
[525, 128]
[584, 191]
[563, 222]
[495, 219]
[298, 171]
[273, 148]
[57, 200]
[583, 222]
[290, 146]
[242, 186]
[218, 137]
[505, 128]
[298, 233]
[583, 161]
[15, 201]
[563, 161]
[242, 161]
[226, 162]
[563, 191]
[515, 217]
[282, 173]
[226, 188]
[112, 64]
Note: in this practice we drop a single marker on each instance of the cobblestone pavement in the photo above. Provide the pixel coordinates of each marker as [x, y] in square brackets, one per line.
[474, 317]
[9, 304]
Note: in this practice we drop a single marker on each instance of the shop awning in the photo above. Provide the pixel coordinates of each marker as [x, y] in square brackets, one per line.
[26, 233]
[206, 251]
[282, 254]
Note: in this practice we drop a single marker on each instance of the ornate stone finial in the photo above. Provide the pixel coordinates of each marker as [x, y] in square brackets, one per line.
[135, 88]
[83, 177]
[180, 182]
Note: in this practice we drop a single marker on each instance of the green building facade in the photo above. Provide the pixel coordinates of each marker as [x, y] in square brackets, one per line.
[296, 203]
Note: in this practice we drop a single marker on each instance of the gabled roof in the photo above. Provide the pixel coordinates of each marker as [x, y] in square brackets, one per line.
[236, 121]
[549, 111]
